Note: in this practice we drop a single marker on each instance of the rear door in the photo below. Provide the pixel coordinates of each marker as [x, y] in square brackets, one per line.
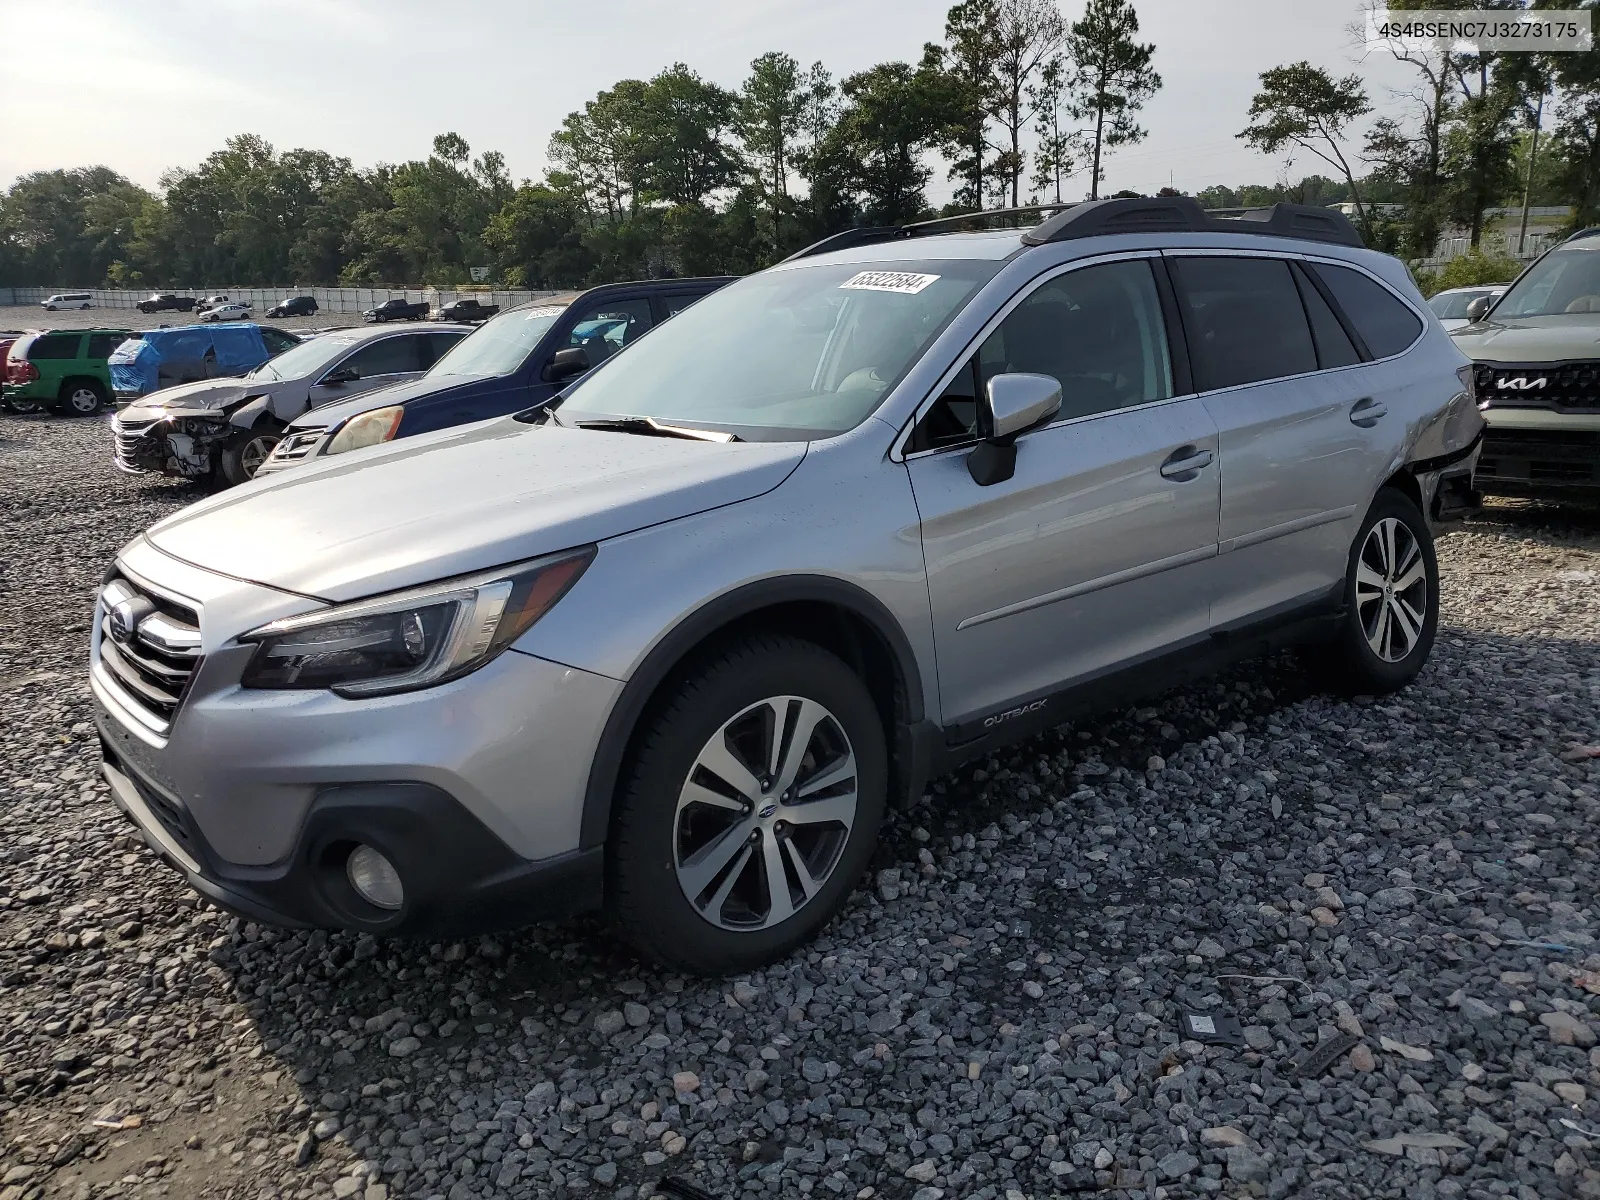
[1300, 441]
[377, 364]
[1092, 556]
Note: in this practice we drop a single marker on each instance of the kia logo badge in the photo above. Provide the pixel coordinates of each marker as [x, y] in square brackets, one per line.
[1521, 383]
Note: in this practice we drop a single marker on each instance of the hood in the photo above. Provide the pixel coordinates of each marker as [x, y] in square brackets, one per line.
[461, 500]
[214, 394]
[325, 415]
[1518, 340]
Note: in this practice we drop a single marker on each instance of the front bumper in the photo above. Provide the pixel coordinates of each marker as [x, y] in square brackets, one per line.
[1531, 452]
[458, 877]
[241, 788]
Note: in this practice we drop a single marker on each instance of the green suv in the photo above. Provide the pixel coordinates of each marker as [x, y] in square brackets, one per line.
[1536, 376]
[64, 369]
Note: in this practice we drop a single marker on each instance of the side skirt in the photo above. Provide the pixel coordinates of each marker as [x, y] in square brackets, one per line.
[1196, 659]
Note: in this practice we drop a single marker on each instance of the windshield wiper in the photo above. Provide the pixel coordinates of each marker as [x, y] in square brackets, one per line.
[654, 428]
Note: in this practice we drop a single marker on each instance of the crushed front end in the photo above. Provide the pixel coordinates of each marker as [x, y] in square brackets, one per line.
[171, 442]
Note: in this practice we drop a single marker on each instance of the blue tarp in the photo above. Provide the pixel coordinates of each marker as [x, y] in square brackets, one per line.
[160, 358]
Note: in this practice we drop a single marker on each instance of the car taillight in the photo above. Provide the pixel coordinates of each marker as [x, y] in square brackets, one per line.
[21, 372]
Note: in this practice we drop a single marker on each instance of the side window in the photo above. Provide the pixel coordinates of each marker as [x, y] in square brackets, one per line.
[277, 341]
[1244, 320]
[1386, 325]
[607, 327]
[674, 304]
[1334, 347]
[1097, 331]
[55, 346]
[102, 344]
[388, 356]
[437, 344]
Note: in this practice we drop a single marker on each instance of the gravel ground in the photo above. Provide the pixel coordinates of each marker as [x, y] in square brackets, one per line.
[996, 1015]
[31, 316]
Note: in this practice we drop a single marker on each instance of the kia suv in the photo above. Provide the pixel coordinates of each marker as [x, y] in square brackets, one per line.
[672, 645]
[1537, 352]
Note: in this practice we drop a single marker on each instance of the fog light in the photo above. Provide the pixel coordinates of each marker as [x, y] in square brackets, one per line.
[374, 878]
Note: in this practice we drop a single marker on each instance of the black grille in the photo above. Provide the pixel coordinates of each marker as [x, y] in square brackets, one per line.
[1534, 457]
[1568, 386]
[172, 817]
[150, 644]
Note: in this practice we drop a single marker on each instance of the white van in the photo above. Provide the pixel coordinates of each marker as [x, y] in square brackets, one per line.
[68, 300]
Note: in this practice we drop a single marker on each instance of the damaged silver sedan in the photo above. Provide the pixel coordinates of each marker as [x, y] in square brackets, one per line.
[223, 429]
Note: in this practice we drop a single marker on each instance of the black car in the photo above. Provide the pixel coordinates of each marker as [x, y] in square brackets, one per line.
[517, 360]
[167, 302]
[466, 311]
[295, 306]
[398, 310]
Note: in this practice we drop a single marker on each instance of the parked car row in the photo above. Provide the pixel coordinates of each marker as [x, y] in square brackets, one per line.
[670, 638]
[79, 371]
[220, 308]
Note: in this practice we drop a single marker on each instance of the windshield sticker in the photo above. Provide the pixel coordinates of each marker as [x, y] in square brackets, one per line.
[534, 314]
[904, 282]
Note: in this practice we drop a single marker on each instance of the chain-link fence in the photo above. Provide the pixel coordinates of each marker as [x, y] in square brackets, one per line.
[329, 300]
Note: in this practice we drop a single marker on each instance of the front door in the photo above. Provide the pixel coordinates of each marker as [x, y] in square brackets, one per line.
[1091, 556]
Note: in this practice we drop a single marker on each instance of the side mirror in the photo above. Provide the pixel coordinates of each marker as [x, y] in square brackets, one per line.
[342, 375]
[567, 364]
[1479, 308]
[1011, 405]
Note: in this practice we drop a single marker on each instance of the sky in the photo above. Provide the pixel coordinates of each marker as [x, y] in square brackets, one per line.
[141, 88]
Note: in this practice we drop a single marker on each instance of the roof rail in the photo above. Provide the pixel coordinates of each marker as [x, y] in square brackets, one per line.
[1578, 233]
[1091, 218]
[1183, 214]
[871, 234]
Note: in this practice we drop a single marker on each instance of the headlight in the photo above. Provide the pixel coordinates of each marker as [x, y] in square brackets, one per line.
[368, 429]
[411, 639]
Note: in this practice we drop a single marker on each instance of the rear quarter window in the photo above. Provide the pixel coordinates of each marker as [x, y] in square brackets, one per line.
[1384, 323]
[53, 346]
[102, 344]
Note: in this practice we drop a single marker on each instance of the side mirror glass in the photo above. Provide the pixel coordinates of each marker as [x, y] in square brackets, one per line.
[568, 364]
[1478, 308]
[1011, 405]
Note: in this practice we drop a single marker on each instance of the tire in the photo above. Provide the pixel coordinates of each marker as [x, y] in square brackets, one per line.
[1381, 646]
[81, 397]
[672, 814]
[23, 406]
[244, 452]
[49, 308]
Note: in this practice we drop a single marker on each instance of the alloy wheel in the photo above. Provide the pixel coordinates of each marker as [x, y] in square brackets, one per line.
[764, 815]
[255, 452]
[83, 400]
[1391, 589]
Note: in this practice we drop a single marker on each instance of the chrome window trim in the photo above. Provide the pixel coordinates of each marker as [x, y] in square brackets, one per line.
[898, 451]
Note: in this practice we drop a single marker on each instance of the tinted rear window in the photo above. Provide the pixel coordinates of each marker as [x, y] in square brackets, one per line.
[55, 346]
[1334, 347]
[1244, 321]
[102, 344]
[1386, 325]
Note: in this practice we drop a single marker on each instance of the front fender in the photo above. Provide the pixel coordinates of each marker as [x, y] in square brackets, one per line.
[247, 416]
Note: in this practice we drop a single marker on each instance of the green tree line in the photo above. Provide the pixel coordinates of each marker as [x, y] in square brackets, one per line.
[677, 174]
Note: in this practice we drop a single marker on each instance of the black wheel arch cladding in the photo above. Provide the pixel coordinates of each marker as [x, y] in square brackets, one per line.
[774, 605]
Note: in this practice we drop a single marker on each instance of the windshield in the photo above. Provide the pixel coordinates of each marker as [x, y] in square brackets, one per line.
[500, 345]
[1450, 306]
[1564, 281]
[306, 359]
[789, 354]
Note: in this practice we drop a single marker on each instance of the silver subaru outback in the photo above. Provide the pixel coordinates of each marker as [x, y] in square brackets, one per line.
[672, 644]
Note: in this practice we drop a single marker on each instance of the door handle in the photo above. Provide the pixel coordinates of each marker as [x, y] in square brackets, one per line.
[1366, 412]
[1185, 463]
